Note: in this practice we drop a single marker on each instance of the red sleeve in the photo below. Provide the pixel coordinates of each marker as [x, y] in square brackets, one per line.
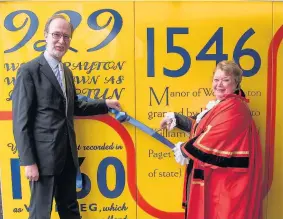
[225, 141]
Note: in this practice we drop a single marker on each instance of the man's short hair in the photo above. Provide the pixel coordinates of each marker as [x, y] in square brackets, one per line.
[55, 16]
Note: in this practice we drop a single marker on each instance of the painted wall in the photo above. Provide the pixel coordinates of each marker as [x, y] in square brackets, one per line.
[154, 57]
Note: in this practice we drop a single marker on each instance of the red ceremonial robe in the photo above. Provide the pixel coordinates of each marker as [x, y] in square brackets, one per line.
[224, 177]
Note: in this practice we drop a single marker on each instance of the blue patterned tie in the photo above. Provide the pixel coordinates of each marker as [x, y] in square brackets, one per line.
[59, 76]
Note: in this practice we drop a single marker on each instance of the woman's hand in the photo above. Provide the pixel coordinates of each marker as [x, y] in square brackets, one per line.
[168, 122]
[179, 157]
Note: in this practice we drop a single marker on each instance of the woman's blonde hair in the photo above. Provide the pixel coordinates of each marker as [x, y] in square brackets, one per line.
[233, 69]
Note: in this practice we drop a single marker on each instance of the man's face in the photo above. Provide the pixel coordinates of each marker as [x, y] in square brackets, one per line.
[58, 38]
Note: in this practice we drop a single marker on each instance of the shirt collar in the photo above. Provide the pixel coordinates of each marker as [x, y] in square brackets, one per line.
[53, 63]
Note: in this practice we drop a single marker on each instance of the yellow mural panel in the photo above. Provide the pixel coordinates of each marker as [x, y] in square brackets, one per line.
[101, 58]
[178, 45]
[154, 57]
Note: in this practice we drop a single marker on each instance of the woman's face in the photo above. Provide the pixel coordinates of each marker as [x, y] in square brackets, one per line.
[223, 84]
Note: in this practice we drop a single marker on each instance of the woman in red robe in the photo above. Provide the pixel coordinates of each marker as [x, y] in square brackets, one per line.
[224, 173]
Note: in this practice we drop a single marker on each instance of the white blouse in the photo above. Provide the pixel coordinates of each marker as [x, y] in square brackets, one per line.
[209, 106]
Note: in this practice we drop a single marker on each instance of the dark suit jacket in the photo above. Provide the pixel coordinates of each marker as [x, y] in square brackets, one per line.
[41, 127]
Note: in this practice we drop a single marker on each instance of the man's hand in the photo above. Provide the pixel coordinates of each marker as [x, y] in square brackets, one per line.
[114, 104]
[31, 172]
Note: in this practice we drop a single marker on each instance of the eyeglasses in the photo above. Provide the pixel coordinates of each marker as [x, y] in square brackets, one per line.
[57, 36]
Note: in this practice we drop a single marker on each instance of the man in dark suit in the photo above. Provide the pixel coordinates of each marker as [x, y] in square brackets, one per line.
[44, 105]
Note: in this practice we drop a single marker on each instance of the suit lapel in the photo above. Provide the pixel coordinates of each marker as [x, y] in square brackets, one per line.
[69, 87]
[47, 71]
[68, 81]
